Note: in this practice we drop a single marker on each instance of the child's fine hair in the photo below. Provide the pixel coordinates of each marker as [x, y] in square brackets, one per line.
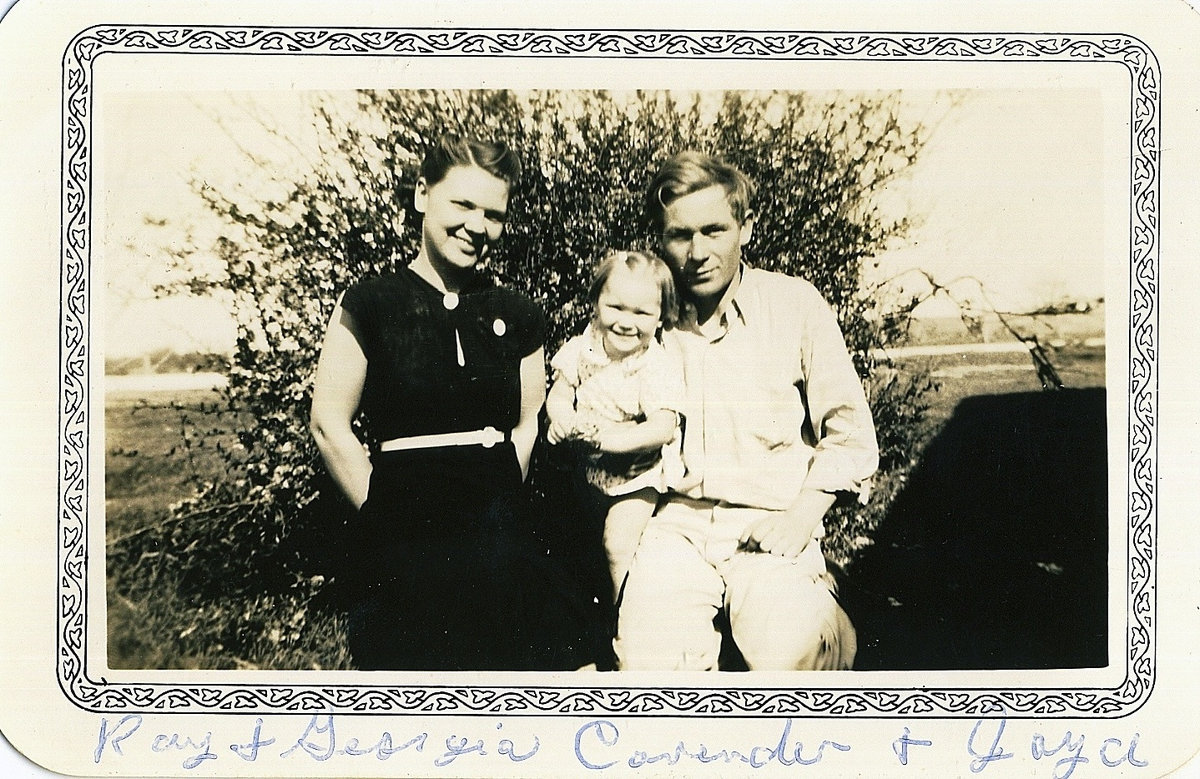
[644, 262]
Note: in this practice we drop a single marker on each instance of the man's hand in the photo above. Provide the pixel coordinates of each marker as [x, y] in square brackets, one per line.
[787, 533]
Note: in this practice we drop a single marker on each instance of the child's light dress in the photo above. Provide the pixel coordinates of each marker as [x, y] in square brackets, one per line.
[626, 390]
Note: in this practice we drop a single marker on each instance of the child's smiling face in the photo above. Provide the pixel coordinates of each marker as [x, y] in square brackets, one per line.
[628, 312]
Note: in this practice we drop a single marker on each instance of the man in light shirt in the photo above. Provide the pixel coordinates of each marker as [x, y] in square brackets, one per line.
[777, 428]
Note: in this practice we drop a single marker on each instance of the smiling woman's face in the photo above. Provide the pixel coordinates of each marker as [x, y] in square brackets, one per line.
[464, 216]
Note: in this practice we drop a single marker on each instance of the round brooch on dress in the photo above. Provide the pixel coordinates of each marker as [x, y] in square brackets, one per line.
[450, 301]
[499, 328]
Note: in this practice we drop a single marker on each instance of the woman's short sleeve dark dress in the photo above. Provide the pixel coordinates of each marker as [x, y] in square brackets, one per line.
[447, 569]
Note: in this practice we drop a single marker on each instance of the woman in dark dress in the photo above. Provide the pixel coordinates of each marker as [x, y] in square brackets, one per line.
[448, 370]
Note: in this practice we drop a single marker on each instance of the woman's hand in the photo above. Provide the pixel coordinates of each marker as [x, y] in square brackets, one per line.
[560, 430]
[533, 395]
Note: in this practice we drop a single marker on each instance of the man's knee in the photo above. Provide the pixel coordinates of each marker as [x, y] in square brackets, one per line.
[663, 630]
[665, 619]
[812, 633]
[637, 654]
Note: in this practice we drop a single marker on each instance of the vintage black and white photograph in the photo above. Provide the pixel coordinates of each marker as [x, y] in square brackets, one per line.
[474, 391]
[610, 379]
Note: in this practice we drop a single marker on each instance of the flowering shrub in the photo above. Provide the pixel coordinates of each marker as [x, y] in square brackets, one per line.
[261, 535]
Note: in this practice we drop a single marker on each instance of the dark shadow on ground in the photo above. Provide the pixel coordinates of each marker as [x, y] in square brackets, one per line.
[995, 553]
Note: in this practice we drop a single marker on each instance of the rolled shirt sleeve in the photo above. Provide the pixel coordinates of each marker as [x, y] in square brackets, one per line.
[840, 428]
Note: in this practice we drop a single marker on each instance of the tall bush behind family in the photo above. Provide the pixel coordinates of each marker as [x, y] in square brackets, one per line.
[244, 554]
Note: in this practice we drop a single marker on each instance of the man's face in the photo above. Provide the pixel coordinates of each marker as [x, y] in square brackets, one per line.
[703, 242]
[464, 216]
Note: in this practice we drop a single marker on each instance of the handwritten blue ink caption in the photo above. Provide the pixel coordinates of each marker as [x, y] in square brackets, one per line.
[318, 741]
[598, 746]
[596, 740]
[1112, 753]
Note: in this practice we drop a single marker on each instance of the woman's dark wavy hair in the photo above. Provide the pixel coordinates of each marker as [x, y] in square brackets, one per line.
[453, 150]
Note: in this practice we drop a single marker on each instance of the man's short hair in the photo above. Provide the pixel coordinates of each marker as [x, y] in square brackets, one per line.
[692, 171]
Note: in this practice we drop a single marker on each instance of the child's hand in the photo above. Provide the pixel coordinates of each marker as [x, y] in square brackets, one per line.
[559, 431]
[587, 435]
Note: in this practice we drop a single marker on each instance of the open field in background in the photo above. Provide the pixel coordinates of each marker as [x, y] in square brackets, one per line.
[959, 376]
[147, 469]
[1054, 329]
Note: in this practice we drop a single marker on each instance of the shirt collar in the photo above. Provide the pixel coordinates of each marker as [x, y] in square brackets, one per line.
[473, 282]
[733, 302]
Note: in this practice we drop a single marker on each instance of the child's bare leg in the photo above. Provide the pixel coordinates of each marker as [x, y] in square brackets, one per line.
[627, 518]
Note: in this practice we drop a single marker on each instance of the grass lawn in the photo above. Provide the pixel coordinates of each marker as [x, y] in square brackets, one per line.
[966, 375]
[149, 467]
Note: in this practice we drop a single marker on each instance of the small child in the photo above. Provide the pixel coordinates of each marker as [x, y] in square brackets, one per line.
[618, 393]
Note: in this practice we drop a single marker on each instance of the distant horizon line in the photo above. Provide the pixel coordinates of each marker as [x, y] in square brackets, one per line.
[202, 380]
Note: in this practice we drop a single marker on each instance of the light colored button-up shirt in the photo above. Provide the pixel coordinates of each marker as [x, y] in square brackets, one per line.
[773, 403]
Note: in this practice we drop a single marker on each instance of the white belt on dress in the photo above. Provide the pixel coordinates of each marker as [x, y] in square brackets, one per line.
[487, 438]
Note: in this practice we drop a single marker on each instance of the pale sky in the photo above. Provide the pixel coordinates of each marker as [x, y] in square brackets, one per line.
[1015, 188]
[1012, 190]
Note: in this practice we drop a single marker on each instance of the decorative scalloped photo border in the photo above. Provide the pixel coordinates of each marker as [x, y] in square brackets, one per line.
[329, 696]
